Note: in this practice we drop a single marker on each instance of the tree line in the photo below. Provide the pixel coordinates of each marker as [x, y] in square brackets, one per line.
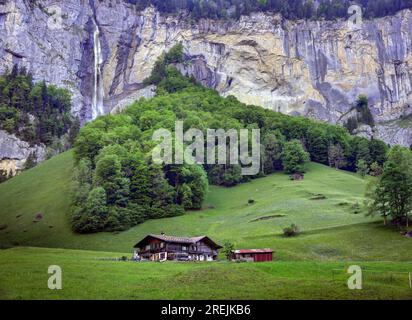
[290, 9]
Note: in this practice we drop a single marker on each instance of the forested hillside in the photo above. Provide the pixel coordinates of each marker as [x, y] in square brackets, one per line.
[290, 9]
[118, 185]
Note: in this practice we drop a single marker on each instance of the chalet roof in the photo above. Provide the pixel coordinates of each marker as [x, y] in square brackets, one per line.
[253, 251]
[173, 239]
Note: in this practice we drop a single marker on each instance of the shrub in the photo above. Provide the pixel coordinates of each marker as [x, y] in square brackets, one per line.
[352, 124]
[375, 170]
[3, 176]
[356, 208]
[228, 247]
[362, 168]
[291, 231]
[365, 116]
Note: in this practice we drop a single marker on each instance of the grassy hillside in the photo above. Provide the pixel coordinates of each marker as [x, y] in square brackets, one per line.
[91, 275]
[43, 189]
[336, 234]
[323, 206]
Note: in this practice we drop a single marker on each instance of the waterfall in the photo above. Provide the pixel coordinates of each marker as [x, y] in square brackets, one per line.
[98, 90]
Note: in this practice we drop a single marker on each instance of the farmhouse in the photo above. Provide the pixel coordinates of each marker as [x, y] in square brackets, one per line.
[163, 247]
[252, 255]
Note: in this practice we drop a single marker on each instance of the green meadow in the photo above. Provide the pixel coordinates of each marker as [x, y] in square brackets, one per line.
[326, 205]
[91, 275]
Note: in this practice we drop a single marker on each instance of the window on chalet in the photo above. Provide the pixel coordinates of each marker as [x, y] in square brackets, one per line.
[156, 246]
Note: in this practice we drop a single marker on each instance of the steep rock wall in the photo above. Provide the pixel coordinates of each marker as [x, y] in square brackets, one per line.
[315, 69]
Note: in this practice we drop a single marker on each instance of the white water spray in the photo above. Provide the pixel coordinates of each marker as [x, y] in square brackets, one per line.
[98, 92]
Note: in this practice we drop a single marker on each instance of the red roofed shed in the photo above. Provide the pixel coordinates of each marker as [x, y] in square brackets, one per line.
[255, 255]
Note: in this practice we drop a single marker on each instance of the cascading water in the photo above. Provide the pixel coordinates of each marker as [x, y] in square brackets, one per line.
[98, 90]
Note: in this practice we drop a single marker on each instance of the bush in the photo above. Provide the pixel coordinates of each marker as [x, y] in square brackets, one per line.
[352, 124]
[175, 54]
[362, 168]
[364, 114]
[291, 231]
[162, 68]
[228, 247]
[3, 176]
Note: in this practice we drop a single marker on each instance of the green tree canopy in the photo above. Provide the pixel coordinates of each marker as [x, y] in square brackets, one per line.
[294, 157]
[392, 194]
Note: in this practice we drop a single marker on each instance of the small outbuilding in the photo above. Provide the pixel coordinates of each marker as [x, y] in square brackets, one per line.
[252, 255]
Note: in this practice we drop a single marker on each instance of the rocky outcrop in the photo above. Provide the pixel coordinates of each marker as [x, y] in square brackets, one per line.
[119, 103]
[312, 68]
[15, 152]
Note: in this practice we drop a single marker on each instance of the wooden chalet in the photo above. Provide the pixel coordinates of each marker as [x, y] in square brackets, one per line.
[163, 247]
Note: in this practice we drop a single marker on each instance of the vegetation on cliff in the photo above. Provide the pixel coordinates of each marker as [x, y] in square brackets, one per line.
[290, 9]
[36, 112]
[363, 115]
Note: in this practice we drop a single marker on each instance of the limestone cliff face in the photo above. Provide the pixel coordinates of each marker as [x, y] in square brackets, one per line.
[315, 69]
[14, 154]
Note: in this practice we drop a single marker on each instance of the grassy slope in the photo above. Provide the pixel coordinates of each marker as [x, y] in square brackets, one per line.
[330, 229]
[310, 266]
[87, 276]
